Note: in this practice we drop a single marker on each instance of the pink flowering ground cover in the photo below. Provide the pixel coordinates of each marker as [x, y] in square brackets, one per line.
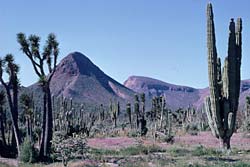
[208, 140]
[205, 139]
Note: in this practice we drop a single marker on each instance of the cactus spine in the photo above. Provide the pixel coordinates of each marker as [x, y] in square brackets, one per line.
[222, 105]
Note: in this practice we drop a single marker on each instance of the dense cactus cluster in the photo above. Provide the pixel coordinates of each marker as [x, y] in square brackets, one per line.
[69, 117]
[222, 104]
[161, 119]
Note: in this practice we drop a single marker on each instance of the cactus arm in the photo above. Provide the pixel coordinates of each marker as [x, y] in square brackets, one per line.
[212, 71]
[207, 107]
[232, 75]
[225, 79]
[238, 36]
[234, 82]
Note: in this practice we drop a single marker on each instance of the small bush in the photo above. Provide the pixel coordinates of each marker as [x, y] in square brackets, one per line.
[66, 147]
[246, 126]
[201, 151]
[192, 129]
[169, 139]
[28, 153]
[174, 151]
[133, 133]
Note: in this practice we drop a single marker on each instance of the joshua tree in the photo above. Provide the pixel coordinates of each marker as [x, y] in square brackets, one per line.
[31, 48]
[222, 104]
[2, 116]
[27, 104]
[11, 88]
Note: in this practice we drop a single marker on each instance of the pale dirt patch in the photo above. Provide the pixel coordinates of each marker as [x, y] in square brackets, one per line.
[111, 143]
[9, 161]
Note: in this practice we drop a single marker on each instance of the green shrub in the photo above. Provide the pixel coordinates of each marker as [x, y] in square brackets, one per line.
[246, 126]
[129, 151]
[28, 153]
[176, 152]
[133, 133]
[65, 147]
[201, 151]
[169, 139]
[192, 129]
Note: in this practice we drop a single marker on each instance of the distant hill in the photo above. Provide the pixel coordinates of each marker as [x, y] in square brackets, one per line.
[176, 95]
[78, 78]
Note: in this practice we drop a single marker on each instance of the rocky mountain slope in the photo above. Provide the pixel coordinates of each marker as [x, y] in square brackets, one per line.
[177, 96]
[78, 78]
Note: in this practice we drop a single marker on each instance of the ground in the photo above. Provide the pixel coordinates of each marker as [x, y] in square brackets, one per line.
[187, 150]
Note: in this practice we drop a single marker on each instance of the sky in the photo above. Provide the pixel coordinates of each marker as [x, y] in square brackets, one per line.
[162, 39]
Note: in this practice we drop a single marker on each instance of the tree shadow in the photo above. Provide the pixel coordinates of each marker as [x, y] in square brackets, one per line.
[221, 159]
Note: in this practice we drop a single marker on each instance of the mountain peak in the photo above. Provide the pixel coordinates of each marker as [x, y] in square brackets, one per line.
[77, 63]
[77, 77]
[76, 56]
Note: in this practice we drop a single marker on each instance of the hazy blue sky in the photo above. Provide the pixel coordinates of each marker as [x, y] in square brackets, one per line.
[163, 39]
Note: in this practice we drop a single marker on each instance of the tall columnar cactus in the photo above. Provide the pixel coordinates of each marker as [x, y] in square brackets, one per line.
[128, 110]
[222, 104]
[163, 104]
[247, 108]
[137, 110]
[143, 122]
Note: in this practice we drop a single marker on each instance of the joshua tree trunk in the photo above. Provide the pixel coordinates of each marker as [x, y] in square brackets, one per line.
[47, 123]
[29, 127]
[2, 120]
[42, 148]
[14, 119]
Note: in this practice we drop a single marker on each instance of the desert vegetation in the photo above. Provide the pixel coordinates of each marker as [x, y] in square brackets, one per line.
[39, 128]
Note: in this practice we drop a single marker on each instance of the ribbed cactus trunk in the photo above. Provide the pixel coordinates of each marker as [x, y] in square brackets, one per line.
[222, 104]
[128, 110]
